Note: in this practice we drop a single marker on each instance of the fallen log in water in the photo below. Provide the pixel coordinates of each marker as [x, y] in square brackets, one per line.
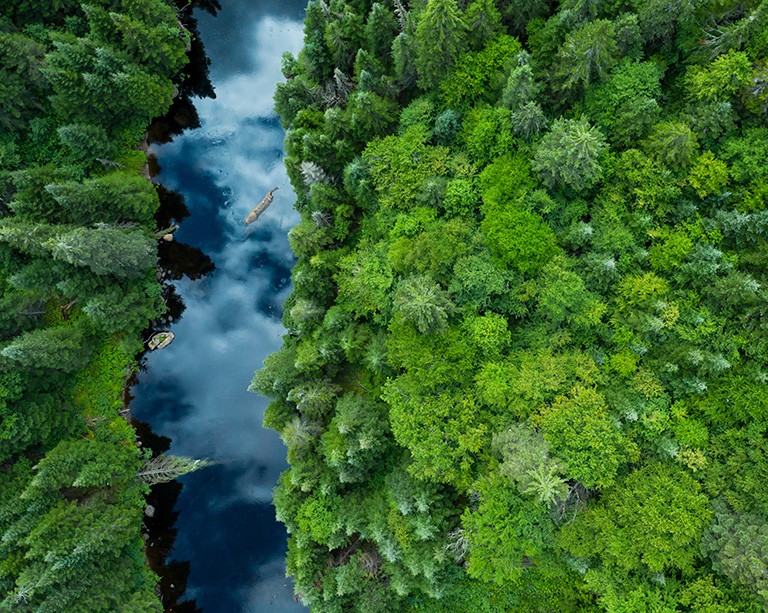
[262, 206]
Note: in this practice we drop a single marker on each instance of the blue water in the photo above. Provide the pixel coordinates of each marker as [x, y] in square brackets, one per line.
[194, 391]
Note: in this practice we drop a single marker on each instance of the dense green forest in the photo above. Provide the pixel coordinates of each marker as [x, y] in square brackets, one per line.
[528, 349]
[79, 84]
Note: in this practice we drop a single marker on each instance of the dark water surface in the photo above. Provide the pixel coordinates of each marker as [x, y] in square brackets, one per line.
[194, 391]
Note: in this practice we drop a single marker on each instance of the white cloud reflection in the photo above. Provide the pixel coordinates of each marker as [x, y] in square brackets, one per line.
[195, 391]
[222, 336]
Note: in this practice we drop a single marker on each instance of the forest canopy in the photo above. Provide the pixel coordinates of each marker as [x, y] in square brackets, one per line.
[79, 86]
[527, 357]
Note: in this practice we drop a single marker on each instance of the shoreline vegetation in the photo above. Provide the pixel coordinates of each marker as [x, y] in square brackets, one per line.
[527, 350]
[81, 83]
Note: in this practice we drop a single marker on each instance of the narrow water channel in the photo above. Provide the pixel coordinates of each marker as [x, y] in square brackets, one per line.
[194, 391]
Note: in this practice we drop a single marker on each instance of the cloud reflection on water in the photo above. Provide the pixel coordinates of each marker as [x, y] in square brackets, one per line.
[195, 390]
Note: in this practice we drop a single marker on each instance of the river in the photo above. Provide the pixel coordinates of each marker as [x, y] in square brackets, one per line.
[194, 391]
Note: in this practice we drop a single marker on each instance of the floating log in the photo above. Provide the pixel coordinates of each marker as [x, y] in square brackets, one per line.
[263, 205]
[160, 340]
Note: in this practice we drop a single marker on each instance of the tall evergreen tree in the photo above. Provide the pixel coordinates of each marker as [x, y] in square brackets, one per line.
[440, 38]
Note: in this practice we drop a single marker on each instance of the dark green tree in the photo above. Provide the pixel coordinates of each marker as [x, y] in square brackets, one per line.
[126, 254]
[440, 39]
[738, 546]
[60, 348]
[24, 86]
[587, 55]
[483, 23]
[674, 144]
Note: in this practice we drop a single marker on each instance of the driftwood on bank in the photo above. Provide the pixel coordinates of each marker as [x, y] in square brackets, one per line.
[167, 233]
[262, 206]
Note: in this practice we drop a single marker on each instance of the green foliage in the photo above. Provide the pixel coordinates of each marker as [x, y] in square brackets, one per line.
[117, 196]
[370, 115]
[488, 133]
[86, 142]
[505, 532]
[420, 301]
[479, 77]
[461, 198]
[669, 253]
[23, 83]
[32, 414]
[519, 238]
[380, 30]
[355, 439]
[529, 120]
[654, 519]
[483, 22]
[673, 143]
[521, 87]
[446, 126]
[724, 77]
[439, 40]
[59, 347]
[79, 88]
[106, 251]
[420, 112]
[443, 433]
[479, 284]
[158, 45]
[433, 251]
[569, 155]
[648, 184]
[527, 363]
[397, 164]
[490, 334]
[364, 280]
[738, 545]
[626, 105]
[527, 463]
[659, 21]
[521, 12]
[739, 453]
[587, 55]
[532, 379]
[505, 179]
[709, 176]
[582, 433]
[563, 298]
[63, 536]
[98, 387]
[745, 154]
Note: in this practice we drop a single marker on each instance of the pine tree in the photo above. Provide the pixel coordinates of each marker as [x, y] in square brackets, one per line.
[60, 348]
[165, 468]
[117, 196]
[126, 254]
[440, 39]
[422, 302]
[483, 23]
[569, 155]
[587, 55]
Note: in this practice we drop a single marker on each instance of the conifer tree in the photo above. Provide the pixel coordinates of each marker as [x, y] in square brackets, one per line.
[440, 39]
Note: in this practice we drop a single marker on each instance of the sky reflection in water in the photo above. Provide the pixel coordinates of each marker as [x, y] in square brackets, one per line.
[195, 390]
